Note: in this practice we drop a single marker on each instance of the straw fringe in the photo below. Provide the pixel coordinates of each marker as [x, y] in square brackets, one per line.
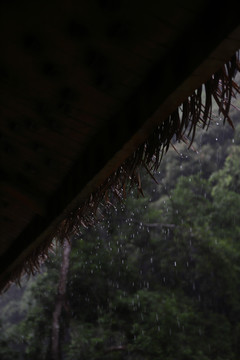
[181, 125]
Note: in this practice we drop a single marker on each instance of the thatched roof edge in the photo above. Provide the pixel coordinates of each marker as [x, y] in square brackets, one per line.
[181, 124]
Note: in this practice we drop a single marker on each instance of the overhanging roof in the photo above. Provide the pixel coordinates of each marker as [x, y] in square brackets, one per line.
[83, 84]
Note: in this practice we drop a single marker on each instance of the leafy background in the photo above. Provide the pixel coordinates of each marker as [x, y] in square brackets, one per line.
[159, 278]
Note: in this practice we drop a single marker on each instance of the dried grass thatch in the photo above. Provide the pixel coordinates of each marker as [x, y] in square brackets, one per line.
[181, 124]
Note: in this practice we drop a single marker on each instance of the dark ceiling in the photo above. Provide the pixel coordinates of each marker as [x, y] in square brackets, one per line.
[82, 84]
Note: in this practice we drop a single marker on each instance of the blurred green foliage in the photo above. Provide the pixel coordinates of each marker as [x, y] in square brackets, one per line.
[158, 279]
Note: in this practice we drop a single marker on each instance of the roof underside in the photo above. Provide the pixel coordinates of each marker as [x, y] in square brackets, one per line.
[82, 85]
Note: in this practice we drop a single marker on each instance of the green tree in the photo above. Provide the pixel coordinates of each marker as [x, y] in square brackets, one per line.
[159, 278]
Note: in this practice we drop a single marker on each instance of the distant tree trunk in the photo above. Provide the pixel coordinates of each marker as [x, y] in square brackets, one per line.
[60, 301]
